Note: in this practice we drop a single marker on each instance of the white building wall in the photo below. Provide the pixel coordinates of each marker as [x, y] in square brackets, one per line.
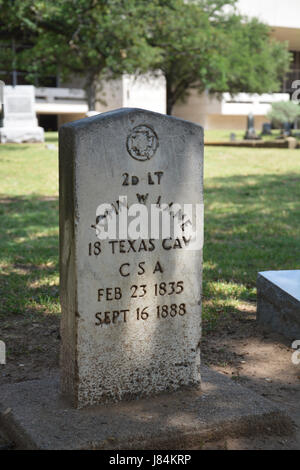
[110, 95]
[279, 13]
[145, 92]
[228, 112]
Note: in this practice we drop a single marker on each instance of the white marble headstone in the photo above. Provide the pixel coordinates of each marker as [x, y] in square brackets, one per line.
[131, 308]
[19, 118]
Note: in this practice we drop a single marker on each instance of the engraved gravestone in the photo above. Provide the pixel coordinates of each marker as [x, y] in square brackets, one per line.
[19, 122]
[131, 298]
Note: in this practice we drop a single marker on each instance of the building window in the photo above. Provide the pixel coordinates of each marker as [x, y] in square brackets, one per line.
[48, 121]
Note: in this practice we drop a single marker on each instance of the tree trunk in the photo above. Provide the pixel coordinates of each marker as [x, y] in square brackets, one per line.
[170, 98]
[91, 91]
[169, 107]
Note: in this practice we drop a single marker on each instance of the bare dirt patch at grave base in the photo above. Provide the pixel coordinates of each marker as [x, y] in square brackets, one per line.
[238, 347]
[32, 351]
[260, 360]
[32, 347]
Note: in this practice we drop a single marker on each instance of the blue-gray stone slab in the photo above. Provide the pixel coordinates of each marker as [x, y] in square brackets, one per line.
[278, 302]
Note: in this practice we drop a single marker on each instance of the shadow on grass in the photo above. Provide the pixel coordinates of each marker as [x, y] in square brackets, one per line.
[28, 255]
[252, 224]
[13, 147]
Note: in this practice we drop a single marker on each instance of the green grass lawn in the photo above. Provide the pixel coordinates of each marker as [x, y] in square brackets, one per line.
[252, 223]
[224, 135]
[29, 229]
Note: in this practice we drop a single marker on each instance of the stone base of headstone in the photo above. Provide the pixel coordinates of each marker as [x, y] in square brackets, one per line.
[278, 302]
[292, 143]
[34, 416]
[266, 129]
[17, 135]
[251, 136]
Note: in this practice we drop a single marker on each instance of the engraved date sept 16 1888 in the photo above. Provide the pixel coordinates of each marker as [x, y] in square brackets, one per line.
[112, 317]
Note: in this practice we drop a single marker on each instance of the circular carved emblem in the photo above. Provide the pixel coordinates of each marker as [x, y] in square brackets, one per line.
[142, 143]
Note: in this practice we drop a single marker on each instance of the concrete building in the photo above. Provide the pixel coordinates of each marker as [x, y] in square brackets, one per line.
[68, 101]
[231, 113]
[57, 103]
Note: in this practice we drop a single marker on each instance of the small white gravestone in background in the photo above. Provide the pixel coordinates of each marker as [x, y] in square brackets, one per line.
[19, 122]
[131, 306]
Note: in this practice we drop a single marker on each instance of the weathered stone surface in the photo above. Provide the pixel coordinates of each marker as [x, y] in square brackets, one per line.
[116, 343]
[34, 416]
[278, 302]
[19, 122]
[5, 444]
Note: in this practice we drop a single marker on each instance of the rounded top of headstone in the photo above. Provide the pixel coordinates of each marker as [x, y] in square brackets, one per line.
[131, 114]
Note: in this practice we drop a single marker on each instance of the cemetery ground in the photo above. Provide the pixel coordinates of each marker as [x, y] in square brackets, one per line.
[218, 135]
[252, 223]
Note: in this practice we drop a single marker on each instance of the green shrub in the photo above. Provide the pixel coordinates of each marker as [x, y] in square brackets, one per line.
[284, 111]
